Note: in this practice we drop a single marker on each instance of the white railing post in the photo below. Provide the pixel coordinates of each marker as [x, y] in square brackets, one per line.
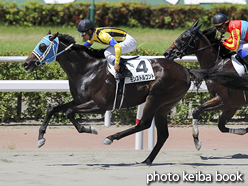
[107, 118]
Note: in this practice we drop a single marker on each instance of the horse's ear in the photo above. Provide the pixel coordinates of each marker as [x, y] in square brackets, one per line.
[195, 30]
[195, 23]
[49, 32]
[53, 36]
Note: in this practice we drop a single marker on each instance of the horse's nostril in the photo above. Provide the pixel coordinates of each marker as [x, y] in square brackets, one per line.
[166, 54]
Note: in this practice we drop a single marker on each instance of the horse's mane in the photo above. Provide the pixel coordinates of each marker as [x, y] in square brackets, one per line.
[210, 33]
[67, 39]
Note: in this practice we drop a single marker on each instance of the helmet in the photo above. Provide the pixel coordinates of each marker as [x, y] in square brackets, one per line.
[85, 25]
[220, 19]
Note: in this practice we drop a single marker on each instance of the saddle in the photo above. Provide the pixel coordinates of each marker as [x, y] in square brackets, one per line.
[242, 62]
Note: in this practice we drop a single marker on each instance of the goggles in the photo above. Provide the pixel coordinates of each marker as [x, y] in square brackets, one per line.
[219, 28]
[84, 33]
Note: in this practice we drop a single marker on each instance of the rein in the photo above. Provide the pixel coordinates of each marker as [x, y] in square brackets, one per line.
[203, 48]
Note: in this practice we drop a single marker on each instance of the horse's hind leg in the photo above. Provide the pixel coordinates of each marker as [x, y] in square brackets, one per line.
[225, 116]
[50, 113]
[145, 123]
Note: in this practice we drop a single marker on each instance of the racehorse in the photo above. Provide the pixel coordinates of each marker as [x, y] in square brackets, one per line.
[193, 41]
[93, 87]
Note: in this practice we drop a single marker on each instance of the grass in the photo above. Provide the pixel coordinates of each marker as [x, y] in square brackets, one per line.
[26, 38]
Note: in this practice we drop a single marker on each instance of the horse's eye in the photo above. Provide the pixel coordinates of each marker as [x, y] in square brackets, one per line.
[42, 47]
[184, 38]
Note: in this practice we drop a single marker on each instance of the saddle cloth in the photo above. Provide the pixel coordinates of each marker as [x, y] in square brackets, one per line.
[141, 69]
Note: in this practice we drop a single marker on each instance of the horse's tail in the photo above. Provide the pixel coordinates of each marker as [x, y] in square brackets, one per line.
[198, 76]
[228, 79]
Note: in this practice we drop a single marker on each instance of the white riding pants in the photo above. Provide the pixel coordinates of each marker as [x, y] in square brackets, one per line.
[243, 45]
[128, 45]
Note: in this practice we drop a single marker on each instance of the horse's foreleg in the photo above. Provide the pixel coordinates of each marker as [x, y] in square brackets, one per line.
[213, 104]
[225, 116]
[195, 131]
[88, 107]
[162, 134]
[50, 113]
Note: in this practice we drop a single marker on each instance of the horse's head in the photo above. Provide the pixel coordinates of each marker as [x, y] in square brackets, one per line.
[43, 53]
[185, 44]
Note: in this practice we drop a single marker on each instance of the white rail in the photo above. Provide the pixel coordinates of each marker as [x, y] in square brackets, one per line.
[34, 85]
[23, 58]
[13, 58]
[53, 86]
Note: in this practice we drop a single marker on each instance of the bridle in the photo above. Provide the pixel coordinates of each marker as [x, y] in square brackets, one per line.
[192, 43]
[53, 57]
[50, 53]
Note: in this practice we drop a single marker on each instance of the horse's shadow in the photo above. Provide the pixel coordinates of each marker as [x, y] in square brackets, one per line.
[235, 156]
[106, 165]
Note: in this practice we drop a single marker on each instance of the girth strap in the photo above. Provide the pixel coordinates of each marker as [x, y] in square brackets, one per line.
[119, 94]
[246, 96]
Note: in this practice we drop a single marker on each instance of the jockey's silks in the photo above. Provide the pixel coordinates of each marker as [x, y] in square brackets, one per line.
[238, 31]
[109, 36]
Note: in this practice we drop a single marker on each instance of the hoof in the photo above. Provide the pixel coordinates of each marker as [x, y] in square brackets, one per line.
[140, 164]
[41, 142]
[198, 144]
[93, 130]
[146, 162]
[107, 141]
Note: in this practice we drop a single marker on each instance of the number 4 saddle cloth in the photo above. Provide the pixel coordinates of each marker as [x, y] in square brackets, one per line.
[140, 68]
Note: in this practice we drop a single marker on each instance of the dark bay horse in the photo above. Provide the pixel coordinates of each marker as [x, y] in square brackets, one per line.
[93, 88]
[193, 41]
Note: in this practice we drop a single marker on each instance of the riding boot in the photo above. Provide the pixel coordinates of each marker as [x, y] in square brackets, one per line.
[123, 72]
[126, 73]
[244, 56]
[245, 59]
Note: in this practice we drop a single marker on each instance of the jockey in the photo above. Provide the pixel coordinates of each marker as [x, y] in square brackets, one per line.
[119, 41]
[238, 40]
